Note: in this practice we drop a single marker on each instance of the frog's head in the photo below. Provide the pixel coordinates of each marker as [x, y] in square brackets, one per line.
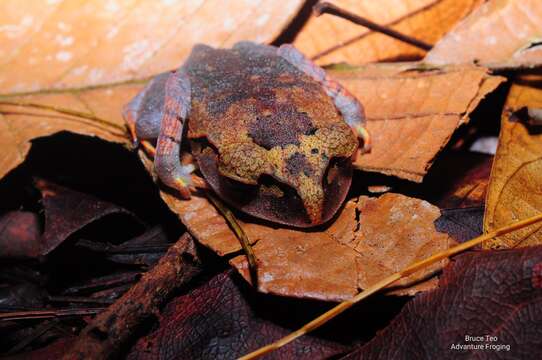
[288, 161]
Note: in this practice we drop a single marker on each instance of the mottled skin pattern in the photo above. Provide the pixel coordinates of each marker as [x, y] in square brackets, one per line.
[272, 135]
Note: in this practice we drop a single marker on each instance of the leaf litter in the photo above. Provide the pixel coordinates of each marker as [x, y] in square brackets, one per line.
[396, 107]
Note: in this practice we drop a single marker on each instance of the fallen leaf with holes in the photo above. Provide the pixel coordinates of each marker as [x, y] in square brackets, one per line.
[498, 294]
[19, 125]
[516, 178]
[329, 39]
[412, 112]
[499, 34]
[128, 40]
[219, 320]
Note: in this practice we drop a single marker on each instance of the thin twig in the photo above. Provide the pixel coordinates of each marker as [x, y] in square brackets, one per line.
[241, 235]
[47, 314]
[80, 299]
[330, 314]
[327, 8]
[65, 111]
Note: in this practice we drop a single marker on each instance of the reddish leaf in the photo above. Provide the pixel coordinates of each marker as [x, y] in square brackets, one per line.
[67, 211]
[19, 235]
[481, 293]
[217, 321]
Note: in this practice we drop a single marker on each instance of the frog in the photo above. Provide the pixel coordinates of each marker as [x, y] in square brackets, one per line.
[271, 134]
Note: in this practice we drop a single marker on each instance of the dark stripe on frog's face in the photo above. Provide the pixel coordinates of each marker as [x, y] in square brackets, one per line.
[297, 164]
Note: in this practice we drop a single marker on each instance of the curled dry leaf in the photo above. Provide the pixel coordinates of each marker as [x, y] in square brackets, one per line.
[516, 177]
[129, 39]
[67, 211]
[499, 34]
[19, 125]
[329, 39]
[413, 112]
[481, 293]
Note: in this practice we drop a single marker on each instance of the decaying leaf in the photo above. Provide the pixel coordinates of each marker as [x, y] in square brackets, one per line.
[330, 263]
[218, 321]
[19, 125]
[499, 34]
[334, 40]
[19, 235]
[498, 294]
[64, 44]
[67, 211]
[516, 177]
[461, 224]
[413, 113]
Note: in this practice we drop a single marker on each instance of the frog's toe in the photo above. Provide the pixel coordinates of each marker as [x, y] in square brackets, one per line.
[182, 185]
[183, 180]
[362, 133]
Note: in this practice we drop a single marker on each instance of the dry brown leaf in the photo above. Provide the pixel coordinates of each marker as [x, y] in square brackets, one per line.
[426, 20]
[19, 125]
[331, 263]
[516, 178]
[63, 44]
[351, 254]
[412, 113]
[499, 34]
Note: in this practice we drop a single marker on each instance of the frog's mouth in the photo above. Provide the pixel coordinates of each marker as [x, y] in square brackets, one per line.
[274, 201]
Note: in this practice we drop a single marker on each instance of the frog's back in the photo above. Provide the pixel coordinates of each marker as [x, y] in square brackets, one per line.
[220, 77]
[234, 87]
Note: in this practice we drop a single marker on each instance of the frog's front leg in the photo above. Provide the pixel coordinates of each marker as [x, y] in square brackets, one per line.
[159, 112]
[349, 107]
[176, 108]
